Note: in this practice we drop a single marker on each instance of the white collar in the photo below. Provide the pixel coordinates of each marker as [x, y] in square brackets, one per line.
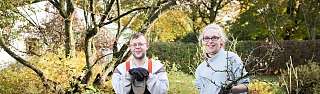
[219, 53]
[136, 65]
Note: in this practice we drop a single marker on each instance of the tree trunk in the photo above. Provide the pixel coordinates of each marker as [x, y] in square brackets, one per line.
[67, 13]
[213, 11]
[69, 39]
[89, 34]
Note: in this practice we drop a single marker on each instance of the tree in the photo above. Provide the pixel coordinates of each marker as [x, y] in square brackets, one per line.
[252, 23]
[5, 9]
[204, 12]
[66, 9]
[310, 11]
[95, 20]
[284, 20]
[152, 14]
[171, 26]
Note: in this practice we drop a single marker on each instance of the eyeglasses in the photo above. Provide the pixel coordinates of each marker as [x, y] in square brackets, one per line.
[213, 38]
[137, 44]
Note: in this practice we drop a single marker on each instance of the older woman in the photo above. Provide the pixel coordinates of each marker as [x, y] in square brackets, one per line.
[219, 67]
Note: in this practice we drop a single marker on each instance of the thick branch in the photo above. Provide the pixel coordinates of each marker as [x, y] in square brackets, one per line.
[214, 11]
[107, 10]
[155, 14]
[119, 21]
[54, 3]
[123, 53]
[93, 20]
[89, 34]
[203, 16]
[89, 70]
[59, 7]
[70, 8]
[115, 48]
[25, 63]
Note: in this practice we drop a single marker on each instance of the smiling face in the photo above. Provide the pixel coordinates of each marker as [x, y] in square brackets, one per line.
[212, 41]
[138, 47]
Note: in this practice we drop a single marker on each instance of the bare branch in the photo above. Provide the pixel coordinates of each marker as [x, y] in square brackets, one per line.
[126, 25]
[28, 18]
[87, 72]
[54, 3]
[118, 14]
[100, 59]
[272, 31]
[155, 14]
[106, 11]
[115, 48]
[122, 15]
[92, 12]
[85, 13]
[207, 7]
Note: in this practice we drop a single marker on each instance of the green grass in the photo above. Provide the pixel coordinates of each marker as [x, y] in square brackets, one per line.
[269, 78]
[181, 83]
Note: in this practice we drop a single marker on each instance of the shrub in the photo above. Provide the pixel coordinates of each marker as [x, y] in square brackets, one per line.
[264, 87]
[19, 79]
[184, 55]
[300, 51]
[303, 79]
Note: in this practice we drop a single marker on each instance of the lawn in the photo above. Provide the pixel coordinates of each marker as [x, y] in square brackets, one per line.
[181, 83]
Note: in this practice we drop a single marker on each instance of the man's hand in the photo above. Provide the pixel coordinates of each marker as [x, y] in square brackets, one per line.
[139, 74]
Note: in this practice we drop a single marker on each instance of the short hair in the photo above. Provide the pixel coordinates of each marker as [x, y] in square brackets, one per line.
[137, 35]
[216, 28]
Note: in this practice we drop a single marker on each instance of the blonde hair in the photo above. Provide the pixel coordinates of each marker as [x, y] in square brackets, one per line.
[137, 35]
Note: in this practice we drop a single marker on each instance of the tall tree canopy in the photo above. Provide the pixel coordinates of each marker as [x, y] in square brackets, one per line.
[283, 19]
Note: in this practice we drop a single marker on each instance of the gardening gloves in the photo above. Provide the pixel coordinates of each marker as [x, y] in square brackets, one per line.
[139, 74]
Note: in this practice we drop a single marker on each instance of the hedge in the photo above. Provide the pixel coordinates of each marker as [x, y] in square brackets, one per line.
[181, 54]
[273, 55]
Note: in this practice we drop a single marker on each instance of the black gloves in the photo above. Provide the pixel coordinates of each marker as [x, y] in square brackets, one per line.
[139, 74]
[225, 90]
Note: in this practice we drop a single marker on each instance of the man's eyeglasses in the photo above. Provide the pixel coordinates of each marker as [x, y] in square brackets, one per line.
[213, 38]
[137, 44]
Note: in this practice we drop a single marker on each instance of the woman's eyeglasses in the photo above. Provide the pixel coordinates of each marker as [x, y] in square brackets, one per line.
[213, 38]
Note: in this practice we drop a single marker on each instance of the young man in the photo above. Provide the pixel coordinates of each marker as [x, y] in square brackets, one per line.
[139, 74]
[220, 67]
